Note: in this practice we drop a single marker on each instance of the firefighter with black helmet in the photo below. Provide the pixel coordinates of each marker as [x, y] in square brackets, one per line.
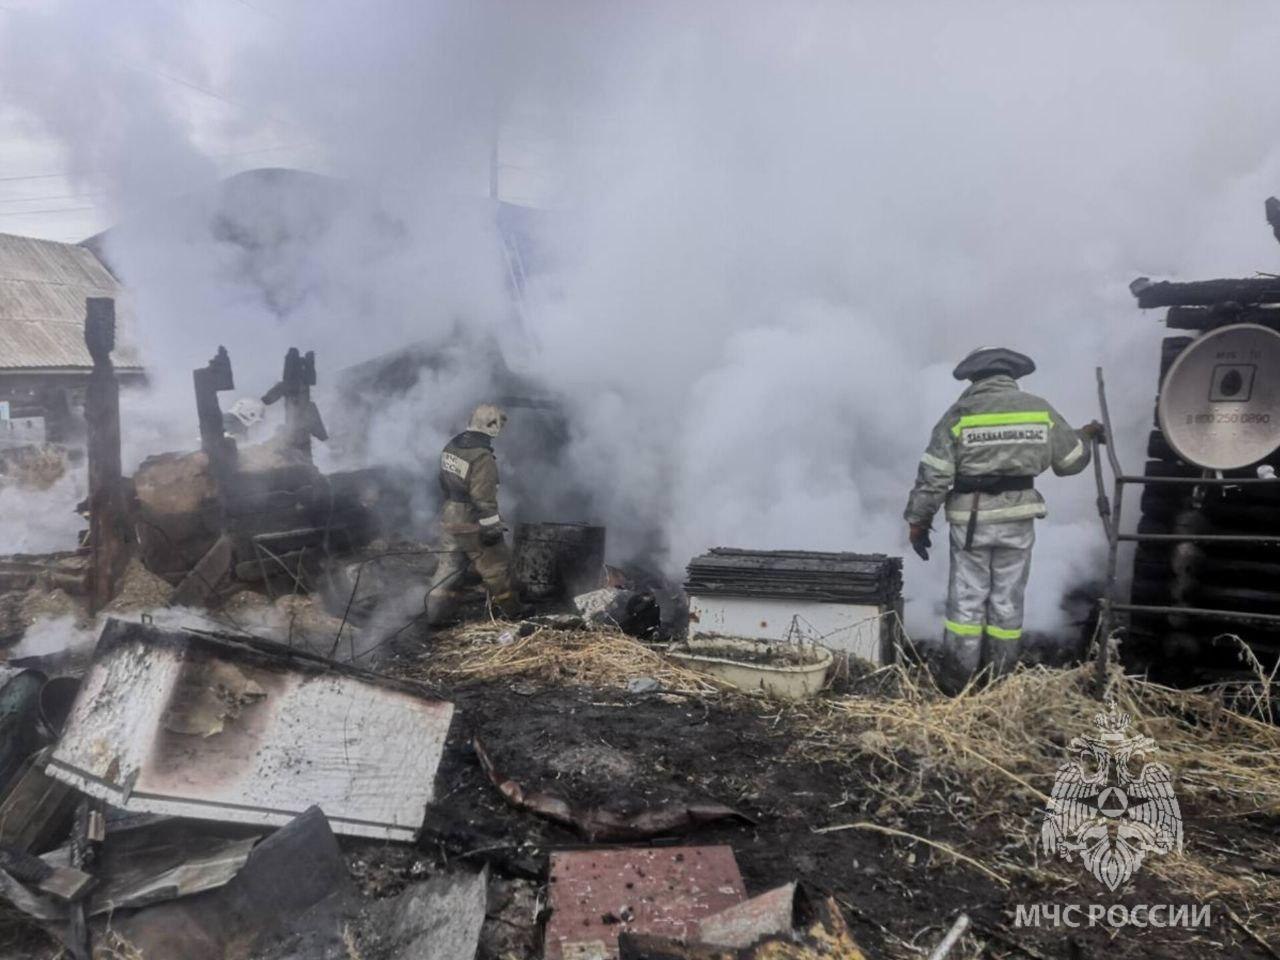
[981, 463]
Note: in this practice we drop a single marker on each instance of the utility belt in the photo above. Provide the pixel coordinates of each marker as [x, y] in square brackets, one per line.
[990, 485]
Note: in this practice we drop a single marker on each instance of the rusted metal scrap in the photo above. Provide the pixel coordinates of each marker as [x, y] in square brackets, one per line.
[598, 823]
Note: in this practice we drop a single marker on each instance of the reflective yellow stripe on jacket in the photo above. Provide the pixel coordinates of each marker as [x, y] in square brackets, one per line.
[1001, 420]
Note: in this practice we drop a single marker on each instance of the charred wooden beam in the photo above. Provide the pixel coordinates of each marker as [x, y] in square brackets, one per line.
[200, 587]
[1205, 293]
[108, 506]
[1207, 318]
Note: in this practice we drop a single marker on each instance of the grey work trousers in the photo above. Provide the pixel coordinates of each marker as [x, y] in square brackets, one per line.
[985, 597]
[463, 553]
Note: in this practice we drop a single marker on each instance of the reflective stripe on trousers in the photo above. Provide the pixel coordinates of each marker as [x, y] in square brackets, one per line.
[985, 596]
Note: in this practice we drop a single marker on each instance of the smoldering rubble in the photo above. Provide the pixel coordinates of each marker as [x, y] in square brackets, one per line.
[229, 729]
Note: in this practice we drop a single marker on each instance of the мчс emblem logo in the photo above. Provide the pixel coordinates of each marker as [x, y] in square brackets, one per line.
[1103, 811]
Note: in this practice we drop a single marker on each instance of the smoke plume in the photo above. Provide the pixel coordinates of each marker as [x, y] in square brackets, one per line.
[769, 230]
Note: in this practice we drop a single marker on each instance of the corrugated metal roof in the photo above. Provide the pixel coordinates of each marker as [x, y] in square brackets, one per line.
[43, 286]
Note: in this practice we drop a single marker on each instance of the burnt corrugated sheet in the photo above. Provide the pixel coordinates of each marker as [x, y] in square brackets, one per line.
[873, 579]
[43, 287]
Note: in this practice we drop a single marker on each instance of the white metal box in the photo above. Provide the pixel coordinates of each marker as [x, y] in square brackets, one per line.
[861, 631]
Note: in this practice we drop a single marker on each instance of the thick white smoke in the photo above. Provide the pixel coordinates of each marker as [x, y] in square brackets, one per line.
[775, 226]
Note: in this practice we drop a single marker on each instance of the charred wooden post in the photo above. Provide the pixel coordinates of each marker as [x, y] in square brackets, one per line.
[209, 380]
[108, 507]
[1272, 208]
[301, 416]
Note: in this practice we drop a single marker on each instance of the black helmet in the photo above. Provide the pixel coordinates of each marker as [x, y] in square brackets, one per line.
[992, 361]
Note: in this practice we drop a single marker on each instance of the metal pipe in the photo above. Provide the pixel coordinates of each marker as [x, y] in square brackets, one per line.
[1198, 612]
[1198, 538]
[1113, 543]
[1103, 503]
[1201, 481]
[1106, 423]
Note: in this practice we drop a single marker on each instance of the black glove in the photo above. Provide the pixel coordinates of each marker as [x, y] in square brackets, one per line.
[491, 536]
[918, 534]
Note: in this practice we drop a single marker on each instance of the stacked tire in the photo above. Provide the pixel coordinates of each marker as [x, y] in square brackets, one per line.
[1236, 577]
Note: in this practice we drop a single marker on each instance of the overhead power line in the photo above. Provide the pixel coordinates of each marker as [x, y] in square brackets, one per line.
[36, 176]
[50, 210]
[57, 196]
[181, 81]
[216, 156]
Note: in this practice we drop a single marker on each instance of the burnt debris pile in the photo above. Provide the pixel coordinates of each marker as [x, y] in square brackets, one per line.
[258, 513]
[1217, 421]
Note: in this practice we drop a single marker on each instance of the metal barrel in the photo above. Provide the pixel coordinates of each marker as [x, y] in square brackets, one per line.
[19, 716]
[554, 560]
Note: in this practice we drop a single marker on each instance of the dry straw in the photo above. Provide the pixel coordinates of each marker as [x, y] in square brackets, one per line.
[602, 658]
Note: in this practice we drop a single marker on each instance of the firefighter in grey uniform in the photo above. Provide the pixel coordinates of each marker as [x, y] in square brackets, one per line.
[470, 528]
[982, 459]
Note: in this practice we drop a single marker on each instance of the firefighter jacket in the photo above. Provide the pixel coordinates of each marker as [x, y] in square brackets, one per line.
[469, 482]
[985, 451]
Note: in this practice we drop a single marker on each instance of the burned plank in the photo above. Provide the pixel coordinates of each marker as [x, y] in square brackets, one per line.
[1207, 318]
[37, 809]
[1205, 293]
[873, 579]
[200, 586]
[66, 570]
[66, 884]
